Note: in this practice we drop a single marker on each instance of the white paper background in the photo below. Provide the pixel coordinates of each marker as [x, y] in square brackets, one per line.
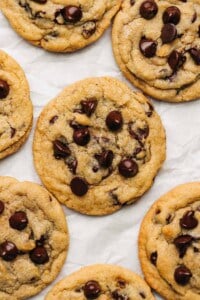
[111, 239]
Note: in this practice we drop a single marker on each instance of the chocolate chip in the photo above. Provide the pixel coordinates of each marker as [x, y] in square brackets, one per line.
[72, 164]
[117, 296]
[150, 111]
[81, 136]
[176, 60]
[121, 283]
[95, 169]
[114, 120]
[132, 2]
[79, 186]
[12, 132]
[2, 206]
[182, 242]
[194, 17]
[105, 158]
[92, 289]
[148, 9]
[128, 168]
[168, 33]
[143, 132]
[89, 106]
[182, 275]
[169, 219]
[172, 15]
[39, 255]
[8, 251]
[61, 150]
[89, 29]
[148, 47]
[153, 258]
[73, 124]
[40, 1]
[142, 295]
[72, 14]
[137, 151]
[53, 119]
[4, 89]
[195, 54]
[188, 220]
[41, 241]
[18, 220]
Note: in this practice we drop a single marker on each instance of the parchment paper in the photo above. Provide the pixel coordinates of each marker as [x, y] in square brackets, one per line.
[111, 239]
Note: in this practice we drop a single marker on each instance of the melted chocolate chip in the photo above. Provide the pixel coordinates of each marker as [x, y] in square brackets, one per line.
[148, 47]
[89, 29]
[8, 251]
[182, 242]
[72, 164]
[143, 132]
[4, 89]
[61, 150]
[168, 33]
[195, 54]
[188, 220]
[150, 111]
[72, 14]
[89, 106]
[117, 296]
[153, 258]
[39, 255]
[169, 219]
[194, 17]
[142, 295]
[148, 9]
[128, 168]
[182, 275]
[12, 132]
[41, 241]
[105, 158]
[114, 120]
[81, 136]
[2, 206]
[95, 169]
[18, 220]
[73, 124]
[176, 60]
[40, 1]
[132, 2]
[92, 289]
[121, 283]
[53, 119]
[172, 15]
[79, 186]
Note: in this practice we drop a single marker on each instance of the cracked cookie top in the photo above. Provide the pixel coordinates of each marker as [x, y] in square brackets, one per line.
[102, 282]
[98, 146]
[169, 246]
[157, 46]
[33, 238]
[60, 25]
[15, 106]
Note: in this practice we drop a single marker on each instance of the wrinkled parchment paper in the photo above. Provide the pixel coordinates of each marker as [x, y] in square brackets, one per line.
[111, 239]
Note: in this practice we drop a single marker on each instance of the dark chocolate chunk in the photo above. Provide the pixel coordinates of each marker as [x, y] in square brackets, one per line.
[61, 149]
[114, 120]
[148, 9]
[182, 275]
[92, 289]
[182, 242]
[81, 136]
[39, 255]
[4, 89]
[176, 60]
[18, 220]
[53, 119]
[89, 106]
[72, 14]
[172, 15]
[79, 186]
[2, 206]
[148, 47]
[195, 54]
[8, 251]
[168, 33]
[188, 221]
[153, 258]
[128, 168]
[105, 158]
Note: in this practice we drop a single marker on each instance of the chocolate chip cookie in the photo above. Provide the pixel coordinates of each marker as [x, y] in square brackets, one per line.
[15, 106]
[101, 282]
[57, 25]
[98, 146]
[157, 46]
[33, 238]
[169, 244]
